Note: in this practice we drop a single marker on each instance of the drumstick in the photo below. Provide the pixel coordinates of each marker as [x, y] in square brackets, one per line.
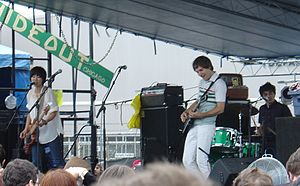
[256, 127]
[272, 131]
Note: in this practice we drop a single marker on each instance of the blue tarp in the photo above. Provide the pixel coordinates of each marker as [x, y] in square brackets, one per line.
[6, 58]
[22, 72]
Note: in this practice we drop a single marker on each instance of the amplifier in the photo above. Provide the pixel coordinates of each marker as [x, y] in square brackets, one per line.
[235, 87]
[232, 79]
[237, 92]
[161, 94]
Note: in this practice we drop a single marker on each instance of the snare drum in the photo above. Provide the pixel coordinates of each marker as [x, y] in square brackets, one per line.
[225, 140]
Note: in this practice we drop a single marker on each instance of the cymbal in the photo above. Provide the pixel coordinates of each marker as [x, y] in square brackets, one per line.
[243, 108]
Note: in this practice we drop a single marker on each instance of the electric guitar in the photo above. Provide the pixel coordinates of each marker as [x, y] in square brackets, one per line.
[188, 124]
[30, 137]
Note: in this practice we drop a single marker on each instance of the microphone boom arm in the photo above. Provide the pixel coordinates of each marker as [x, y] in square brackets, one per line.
[108, 92]
[103, 109]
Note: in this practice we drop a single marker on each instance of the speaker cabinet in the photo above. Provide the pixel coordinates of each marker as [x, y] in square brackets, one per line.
[287, 138]
[225, 170]
[9, 135]
[160, 134]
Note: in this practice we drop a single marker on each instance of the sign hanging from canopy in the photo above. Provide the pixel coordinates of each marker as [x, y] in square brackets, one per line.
[54, 45]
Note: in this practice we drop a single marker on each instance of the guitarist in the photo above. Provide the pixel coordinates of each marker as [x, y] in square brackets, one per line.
[49, 126]
[212, 96]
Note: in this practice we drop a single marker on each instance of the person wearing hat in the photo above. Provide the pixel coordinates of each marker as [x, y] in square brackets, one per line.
[81, 170]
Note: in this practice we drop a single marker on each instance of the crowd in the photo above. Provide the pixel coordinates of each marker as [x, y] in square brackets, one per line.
[78, 172]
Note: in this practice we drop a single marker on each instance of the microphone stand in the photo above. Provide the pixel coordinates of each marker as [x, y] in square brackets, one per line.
[103, 109]
[17, 109]
[37, 106]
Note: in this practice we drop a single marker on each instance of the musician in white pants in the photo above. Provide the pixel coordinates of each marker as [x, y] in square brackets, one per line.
[203, 112]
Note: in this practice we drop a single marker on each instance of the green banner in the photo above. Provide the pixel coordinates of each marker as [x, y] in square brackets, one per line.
[54, 45]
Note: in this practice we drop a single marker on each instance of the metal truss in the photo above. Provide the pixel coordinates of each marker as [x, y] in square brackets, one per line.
[261, 67]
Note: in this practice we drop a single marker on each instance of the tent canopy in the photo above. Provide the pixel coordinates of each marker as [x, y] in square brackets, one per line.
[22, 74]
[243, 28]
[6, 58]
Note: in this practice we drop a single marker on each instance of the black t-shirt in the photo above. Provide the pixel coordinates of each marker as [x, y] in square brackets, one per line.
[267, 116]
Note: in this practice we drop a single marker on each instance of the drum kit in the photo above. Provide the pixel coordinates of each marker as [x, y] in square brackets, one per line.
[232, 142]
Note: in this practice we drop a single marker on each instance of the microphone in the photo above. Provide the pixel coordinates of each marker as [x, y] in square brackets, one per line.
[122, 67]
[267, 101]
[31, 83]
[55, 74]
[257, 100]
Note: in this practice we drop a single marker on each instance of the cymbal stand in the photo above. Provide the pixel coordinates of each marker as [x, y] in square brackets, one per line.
[240, 135]
[249, 124]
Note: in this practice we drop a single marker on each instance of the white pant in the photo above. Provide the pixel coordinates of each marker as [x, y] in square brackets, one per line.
[193, 158]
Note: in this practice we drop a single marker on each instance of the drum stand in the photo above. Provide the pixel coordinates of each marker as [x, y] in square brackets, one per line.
[240, 140]
[240, 136]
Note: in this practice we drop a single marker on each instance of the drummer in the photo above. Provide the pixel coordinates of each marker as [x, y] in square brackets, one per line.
[267, 114]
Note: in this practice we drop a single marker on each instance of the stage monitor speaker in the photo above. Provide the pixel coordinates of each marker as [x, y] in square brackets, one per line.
[287, 138]
[9, 135]
[226, 170]
[160, 134]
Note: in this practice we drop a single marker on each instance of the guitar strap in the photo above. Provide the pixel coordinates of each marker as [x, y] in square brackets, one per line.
[41, 103]
[206, 91]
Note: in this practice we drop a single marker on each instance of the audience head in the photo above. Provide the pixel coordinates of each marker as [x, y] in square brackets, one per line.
[293, 165]
[136, 164]
[77, 162]
[2, 155]
[116, 171]
[98, 169]
[253, 177]
[2, 160]
[19, 172]
[161, 174]
[58, 177]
